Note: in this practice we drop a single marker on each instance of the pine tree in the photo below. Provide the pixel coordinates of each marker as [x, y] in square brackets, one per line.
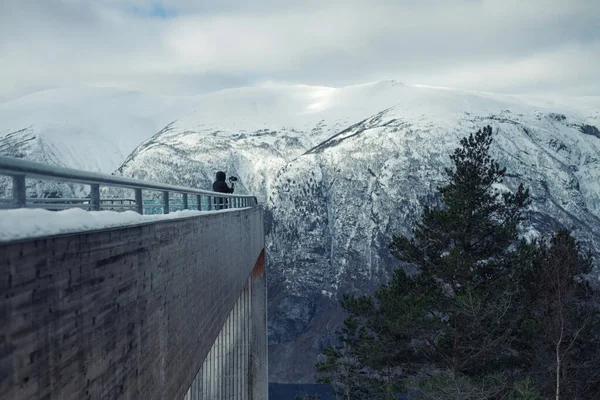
[464, 252]
[342, 368]
[458, 314]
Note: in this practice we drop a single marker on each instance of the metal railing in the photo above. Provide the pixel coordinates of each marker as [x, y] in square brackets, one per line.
[20, 170]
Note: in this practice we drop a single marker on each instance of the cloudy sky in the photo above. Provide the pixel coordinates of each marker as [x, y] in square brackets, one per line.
[193, 46]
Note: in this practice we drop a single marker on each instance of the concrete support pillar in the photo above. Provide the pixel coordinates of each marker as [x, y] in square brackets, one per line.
[236, 366]
[258, 373]
[244, 346]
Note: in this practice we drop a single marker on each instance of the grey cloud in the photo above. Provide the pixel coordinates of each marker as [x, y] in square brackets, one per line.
[503, 45]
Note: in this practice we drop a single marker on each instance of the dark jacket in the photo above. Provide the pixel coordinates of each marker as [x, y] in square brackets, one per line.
[220, 185]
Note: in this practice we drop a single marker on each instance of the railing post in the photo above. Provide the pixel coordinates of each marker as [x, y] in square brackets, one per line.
[210, 203]
[185, 201]
[199, 202]
[95, 196]
[165, 202]
[139, 202]
[19, 192]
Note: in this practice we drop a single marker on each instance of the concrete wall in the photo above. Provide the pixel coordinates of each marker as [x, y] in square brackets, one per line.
[236, 366]
[124, 313]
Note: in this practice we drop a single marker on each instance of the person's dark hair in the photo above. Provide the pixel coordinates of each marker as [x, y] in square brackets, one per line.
[221, 176]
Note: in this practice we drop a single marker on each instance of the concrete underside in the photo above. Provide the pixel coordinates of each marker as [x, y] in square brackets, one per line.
[123, 313]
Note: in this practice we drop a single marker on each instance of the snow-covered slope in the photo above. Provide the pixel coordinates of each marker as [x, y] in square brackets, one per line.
[252, 133]
[371, 180]
[342, 173]
[91, 129]
[88, 129]
[96, 129]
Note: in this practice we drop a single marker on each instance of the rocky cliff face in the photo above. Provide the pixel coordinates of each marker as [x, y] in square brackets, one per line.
[342, 170]
[334, 210]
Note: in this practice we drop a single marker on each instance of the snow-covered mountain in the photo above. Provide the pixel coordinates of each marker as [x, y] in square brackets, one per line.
[339, 183]
[252, 133]
[371, 180]
[342, 170]
[97, 129]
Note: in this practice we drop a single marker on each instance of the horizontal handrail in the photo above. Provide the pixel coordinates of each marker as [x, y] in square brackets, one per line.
[20, 169]
[72, 200]
[61, 206]
[16, 166]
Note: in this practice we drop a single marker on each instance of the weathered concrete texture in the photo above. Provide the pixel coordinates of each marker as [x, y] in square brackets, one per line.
[259, 373]
[126, 313]
[225, 372]
[236, 366]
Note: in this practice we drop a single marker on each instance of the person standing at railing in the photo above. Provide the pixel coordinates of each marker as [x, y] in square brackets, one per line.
[221, 186]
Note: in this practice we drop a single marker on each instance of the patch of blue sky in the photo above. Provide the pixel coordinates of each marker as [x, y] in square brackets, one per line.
[156, 10]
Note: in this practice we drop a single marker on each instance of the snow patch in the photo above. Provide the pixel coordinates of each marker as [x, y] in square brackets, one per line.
[501, 187]
[30, 223]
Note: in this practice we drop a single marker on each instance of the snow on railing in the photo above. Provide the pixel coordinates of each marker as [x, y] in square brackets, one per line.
[19, 170]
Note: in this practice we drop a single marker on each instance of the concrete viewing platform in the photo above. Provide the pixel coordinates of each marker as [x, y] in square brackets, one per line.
[133, 306]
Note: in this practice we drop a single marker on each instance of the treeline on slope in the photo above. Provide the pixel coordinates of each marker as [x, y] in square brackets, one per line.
[488, 315]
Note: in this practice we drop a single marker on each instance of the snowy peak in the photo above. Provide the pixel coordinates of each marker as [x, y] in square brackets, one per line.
[329, 182]
[96, 129]
[254, 132]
